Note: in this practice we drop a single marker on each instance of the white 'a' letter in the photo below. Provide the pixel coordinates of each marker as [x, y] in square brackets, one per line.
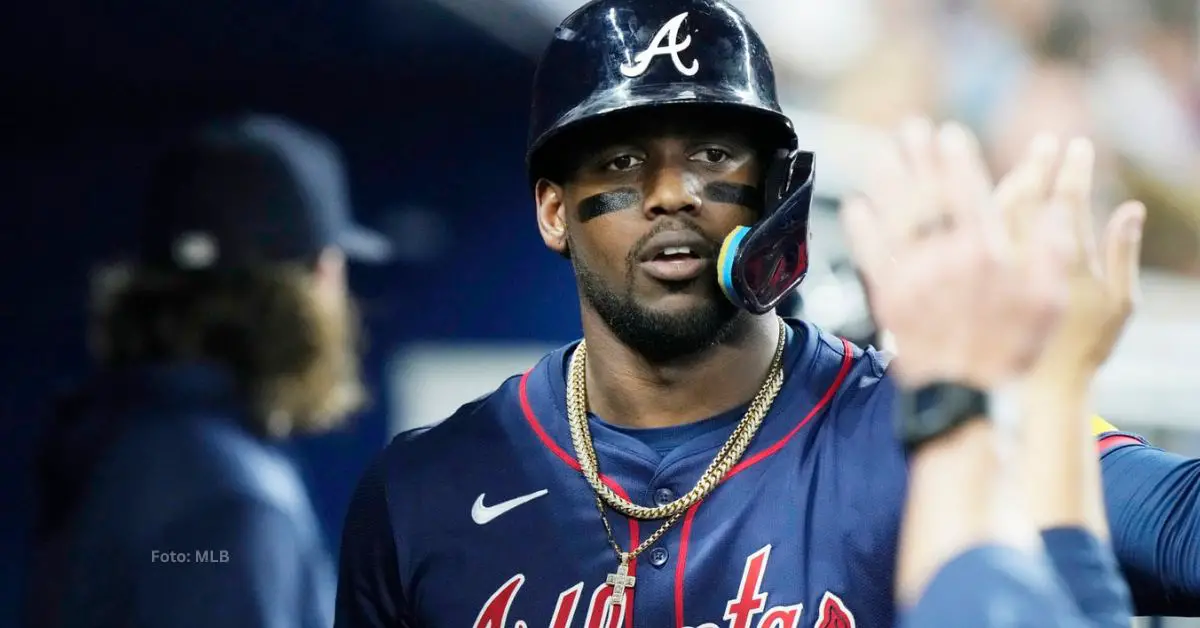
[669, 32]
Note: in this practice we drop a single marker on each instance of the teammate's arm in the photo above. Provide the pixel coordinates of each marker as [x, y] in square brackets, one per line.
[969, 548]
[1063, 489]
[1153, 497]
[959, 499]
[1057, 453]
[973, 334]
[1154, 512]
[976, 586]
[369, 593]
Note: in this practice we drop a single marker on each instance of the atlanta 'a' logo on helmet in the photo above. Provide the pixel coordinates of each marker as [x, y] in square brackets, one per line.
[666, 42]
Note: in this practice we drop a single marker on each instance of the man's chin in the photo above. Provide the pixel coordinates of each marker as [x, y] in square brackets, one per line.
[684, 304]
[690, 308]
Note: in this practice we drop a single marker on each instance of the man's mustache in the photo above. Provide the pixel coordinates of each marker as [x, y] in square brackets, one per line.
[677, 223]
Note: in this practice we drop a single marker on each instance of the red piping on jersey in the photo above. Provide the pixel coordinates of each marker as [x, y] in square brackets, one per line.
[1112, 441]
[574, 464]
[686, 532]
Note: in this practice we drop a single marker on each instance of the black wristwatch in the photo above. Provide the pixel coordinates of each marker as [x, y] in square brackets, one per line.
[936, 409]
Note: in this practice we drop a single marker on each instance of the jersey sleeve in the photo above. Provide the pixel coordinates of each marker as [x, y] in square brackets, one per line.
[1153, 502]
[369, 593]
[1088, 572]
[994, 587]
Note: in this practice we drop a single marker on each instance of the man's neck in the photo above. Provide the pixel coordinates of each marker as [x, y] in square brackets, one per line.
[626, 389]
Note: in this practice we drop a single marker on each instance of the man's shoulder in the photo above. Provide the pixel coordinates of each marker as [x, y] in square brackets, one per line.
[426, 477]
[467, 422]
[856, 372]
[850, 396]
[854, 383]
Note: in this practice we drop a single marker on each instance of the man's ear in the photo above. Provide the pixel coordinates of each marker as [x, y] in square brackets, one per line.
[552, 216]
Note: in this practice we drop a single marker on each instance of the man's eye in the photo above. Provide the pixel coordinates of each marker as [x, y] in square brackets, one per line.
[624, 162]
[713, 155]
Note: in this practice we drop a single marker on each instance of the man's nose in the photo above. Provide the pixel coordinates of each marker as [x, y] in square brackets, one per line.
[671, 189]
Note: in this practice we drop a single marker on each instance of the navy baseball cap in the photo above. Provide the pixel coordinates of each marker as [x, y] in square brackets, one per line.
[247, 191]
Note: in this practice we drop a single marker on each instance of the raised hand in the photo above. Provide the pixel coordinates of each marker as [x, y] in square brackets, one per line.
[969, 283]
[1103, 278]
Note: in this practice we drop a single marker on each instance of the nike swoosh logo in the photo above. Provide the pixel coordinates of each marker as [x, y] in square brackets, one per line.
[481, 514]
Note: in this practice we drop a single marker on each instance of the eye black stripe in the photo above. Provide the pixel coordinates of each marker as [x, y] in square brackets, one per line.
[734, 194]
[608, 202]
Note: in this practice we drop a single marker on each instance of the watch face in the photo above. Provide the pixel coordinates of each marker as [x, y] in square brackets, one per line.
[935, 410]
[927, 398]
[947, 400]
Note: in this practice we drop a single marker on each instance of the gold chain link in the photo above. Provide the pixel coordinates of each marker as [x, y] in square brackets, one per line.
[627, 557]
[728, 456]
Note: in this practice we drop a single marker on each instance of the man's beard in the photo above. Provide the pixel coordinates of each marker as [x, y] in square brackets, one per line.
[659, 337]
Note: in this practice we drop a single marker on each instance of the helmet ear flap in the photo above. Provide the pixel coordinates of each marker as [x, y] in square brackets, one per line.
[788, 171]
[761, 265]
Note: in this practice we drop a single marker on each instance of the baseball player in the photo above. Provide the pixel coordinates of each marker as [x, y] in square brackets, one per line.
[164, 497]
[694, 460]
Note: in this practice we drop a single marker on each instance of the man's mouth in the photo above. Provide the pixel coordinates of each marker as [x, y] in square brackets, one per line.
[675, 254]
[674, 264]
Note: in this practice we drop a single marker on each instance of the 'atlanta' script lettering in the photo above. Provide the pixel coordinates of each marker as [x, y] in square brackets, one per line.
[747, 609]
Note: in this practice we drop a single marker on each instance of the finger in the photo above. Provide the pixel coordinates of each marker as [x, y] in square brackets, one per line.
[1006, 193]
[1004, 197]
[1073, 193]
[888, 186]
[869, 245]
[918, 150]
[1043, 157]
[965, 176]
[1122, 252]
[1024, 195]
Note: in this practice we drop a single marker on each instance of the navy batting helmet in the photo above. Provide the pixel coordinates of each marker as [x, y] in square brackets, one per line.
[617, 56]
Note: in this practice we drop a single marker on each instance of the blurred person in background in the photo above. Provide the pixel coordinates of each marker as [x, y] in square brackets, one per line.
[898, 76]
[986, 47]
[732, 463]
[1047, 95]
[1124, 74]
[164, 501]
[1147, 98]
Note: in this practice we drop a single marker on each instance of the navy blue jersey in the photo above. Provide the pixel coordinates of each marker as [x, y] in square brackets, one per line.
[493, 525]
[484, 520]
[159, 508]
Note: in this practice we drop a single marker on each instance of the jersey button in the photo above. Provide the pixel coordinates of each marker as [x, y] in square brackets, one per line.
[659, 556]
[663, 496]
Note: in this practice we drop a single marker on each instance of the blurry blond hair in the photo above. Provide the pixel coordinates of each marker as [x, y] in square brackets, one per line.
[294, 355]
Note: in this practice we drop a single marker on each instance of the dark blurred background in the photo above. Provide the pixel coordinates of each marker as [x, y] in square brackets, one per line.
[429, 112]
[428, 101]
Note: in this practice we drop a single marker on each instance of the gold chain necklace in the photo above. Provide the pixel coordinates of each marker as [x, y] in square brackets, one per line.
[729, 454]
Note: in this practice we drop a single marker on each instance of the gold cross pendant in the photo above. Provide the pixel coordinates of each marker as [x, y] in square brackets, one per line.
[620, 581]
